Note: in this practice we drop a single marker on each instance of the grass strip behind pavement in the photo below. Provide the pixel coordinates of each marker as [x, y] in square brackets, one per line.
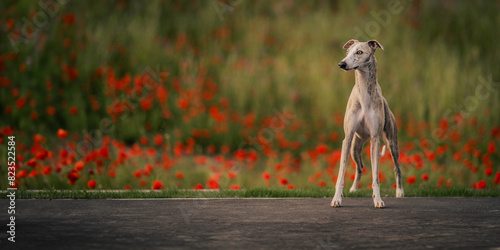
[259, 192]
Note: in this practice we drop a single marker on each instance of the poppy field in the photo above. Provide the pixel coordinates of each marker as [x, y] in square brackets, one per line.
[235, 95]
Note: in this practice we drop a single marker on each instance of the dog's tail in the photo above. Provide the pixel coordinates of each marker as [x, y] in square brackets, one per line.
[383, 151]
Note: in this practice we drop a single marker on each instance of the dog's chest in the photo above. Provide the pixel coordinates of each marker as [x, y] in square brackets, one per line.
[368, 123]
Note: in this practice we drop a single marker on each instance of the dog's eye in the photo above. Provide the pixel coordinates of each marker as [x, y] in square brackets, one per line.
[359, 52]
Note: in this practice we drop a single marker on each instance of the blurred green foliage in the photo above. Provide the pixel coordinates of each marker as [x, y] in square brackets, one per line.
[261, 55]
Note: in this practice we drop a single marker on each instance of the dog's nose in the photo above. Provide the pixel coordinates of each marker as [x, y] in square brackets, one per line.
[342, 65]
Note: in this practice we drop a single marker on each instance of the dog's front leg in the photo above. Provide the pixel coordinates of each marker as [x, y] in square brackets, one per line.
[346, 147]
[375, 147]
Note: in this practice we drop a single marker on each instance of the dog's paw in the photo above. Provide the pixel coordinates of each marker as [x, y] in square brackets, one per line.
[353, 190]
[378, 203]
[400, 193]
[336, 202]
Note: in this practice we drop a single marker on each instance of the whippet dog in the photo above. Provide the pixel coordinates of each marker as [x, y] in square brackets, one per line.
[367, 117]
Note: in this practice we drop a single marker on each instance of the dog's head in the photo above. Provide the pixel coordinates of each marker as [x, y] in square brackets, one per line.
[359, 54]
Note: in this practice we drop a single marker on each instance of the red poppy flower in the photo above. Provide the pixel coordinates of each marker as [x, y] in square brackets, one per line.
[443, 124]
[318, 174]
[183, 104]
[217, 115]
[148, 168]
[425, 177]
[321, 183]
[488, 171]
[481, 184]
[62, 133]
[232, 174]
[440, 150]
[278, 166]
[51, 110]
[283, 181]
[37, 138]
[138, 174]
[455, 136]
[213, 184]
[22, 68]
[240, 154]
[157, 185]
[21, 174]
[42, 155]
[322, 148]
[441, 179]
[486, 160]
[211, 149]
[430, 156]
[179, 175]
[73, 175]
[311, 179]
[491, 147]
[290, 186]
[32, 174]
[477, 153]
[34, 115]
[411, 179]
[252, 156]
[266, 176]
[79, 165]
[20, 102]
[47, 170]
[457, 156]
[104, 152]
[31, 163]
[91, 184]
[10, 23]
[69, 18]
[146, 104]
[73, 110]
[158, 140]
[234, 187]
[161, 94]
[224, 149]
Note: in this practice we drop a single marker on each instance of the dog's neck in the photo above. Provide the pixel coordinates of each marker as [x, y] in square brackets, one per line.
[366, 78]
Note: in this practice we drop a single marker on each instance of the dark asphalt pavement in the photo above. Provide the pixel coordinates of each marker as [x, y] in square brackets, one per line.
[468, 223]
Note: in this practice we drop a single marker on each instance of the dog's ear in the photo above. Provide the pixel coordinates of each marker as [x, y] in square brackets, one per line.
[374, 44]
[350, 43]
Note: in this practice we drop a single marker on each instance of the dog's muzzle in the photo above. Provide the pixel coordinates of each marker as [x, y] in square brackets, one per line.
[343, 65]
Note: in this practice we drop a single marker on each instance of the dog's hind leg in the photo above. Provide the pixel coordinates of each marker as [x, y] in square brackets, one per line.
[356, 150]
[390, 136]
[392, 144]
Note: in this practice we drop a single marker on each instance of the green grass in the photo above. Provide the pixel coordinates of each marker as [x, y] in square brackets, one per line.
[258, 192]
